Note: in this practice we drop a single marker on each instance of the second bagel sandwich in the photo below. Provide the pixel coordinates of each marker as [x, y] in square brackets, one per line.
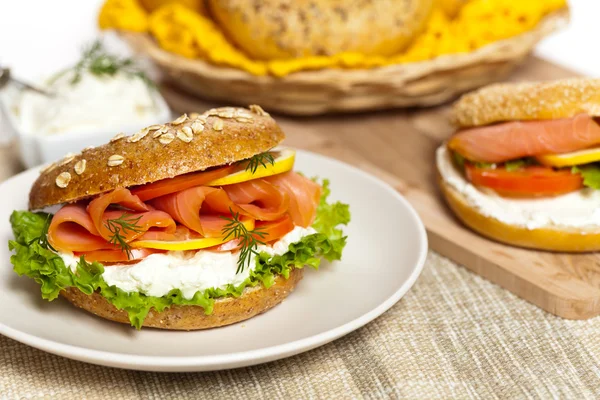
[523, 167]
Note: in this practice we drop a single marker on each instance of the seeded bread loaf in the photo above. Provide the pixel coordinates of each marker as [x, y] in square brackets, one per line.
[528, 101]
[190, 143]
[227, 310]
[281, 29]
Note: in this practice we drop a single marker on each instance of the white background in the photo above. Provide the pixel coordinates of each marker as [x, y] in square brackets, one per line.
[39, 36]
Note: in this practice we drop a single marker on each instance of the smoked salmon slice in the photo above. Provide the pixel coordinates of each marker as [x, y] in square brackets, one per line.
[77, 228]
[276, 203]
[274, 230]
[304, 196]
[202, 208]
[270, 232]
[179, 183]
[72, 229]
[259, 199]
[135, 208]
[181, 233]
[192, 208]
[513, 140]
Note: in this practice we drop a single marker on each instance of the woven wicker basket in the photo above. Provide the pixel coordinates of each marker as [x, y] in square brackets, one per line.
[337, 90]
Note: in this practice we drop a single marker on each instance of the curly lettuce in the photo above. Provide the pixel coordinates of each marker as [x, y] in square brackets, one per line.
[590, 174]
[34, 257]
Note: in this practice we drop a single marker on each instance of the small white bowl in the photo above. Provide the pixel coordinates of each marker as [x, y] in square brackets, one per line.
[36, 149]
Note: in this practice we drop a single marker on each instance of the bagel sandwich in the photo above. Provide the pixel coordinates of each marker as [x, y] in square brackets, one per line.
[193, 224]
[523, 167]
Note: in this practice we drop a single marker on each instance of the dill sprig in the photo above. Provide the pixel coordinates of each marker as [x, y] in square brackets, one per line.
[99, 62]
[259, 159]
[249, 240]
[122, 226]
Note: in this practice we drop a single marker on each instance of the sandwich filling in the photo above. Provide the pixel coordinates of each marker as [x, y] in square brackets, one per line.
[189, 271]
[531, 159]
[579, 209]
[186, 240]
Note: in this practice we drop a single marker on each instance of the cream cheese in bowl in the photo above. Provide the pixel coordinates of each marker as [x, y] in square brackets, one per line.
[92, 104]
[99, 97]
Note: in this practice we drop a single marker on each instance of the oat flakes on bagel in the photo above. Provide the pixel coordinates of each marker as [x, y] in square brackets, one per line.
[216, 137]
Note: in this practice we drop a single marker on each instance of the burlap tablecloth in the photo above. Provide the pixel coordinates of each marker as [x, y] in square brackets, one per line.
[453, 335]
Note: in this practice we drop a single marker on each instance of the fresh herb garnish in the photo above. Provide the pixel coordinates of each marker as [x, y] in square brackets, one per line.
[249, 240]
[260, 159]
[122, 226]
[97, 61]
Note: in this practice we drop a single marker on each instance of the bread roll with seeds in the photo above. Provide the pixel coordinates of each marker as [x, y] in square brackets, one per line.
[227, 310]
[281, 29]
[528, 101]
[480, 194]
[218, 137]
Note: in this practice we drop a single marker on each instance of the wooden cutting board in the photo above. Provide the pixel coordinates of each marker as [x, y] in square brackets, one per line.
[399, 146]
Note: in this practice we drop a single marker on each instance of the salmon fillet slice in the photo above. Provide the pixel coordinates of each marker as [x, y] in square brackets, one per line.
[513, 140]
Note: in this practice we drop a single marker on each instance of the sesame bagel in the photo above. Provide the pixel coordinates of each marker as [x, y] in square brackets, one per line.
[283, 29]
[528, 101]
[190, 143]
[227, 310]
[563, 239]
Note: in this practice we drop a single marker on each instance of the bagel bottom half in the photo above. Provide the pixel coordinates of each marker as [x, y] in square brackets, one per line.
[227, 310]
[551, 239]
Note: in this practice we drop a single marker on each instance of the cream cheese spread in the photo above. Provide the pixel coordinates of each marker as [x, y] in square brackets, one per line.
[580, 209]
[92, 104]
[158, 274]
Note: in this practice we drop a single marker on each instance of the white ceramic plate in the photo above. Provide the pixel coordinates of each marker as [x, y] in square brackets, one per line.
[384, 256]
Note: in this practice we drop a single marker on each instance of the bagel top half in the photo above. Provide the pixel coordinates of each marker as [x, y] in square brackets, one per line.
[196, 142]
[527, 101]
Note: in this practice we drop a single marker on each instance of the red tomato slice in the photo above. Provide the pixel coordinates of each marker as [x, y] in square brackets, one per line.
[181, 182]
[531, 181]
[115, 256]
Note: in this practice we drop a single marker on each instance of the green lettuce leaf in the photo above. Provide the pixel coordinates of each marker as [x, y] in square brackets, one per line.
[511, 165]
[459, 160]
[32, 254]
[33, 257]
[590, 174]
[329, 218]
